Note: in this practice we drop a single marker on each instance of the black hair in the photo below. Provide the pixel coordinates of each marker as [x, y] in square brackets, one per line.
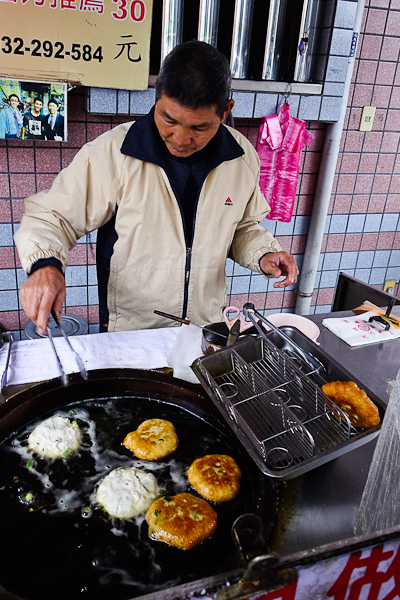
[15, 96]
[54, 101]
[196, 75]
[38, 98]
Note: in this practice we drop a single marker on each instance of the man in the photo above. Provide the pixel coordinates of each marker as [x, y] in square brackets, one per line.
[54, 122]
[33, 126]
[174, 194]
[11, 119]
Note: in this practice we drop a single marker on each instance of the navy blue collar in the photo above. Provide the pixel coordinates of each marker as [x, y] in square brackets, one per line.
[144, 142]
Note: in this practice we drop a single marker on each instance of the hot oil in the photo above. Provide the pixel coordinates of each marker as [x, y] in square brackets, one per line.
[55, 540]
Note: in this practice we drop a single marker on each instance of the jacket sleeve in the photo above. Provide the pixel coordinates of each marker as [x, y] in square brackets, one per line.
[251, 240]
[82, 198]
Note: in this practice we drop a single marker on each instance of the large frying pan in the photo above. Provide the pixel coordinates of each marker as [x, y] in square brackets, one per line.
[55, 541]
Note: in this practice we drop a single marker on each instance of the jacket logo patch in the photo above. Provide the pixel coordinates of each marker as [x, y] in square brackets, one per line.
[228, 202]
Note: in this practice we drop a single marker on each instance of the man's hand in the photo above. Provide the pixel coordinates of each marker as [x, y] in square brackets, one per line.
[42, 291]
[280, 264]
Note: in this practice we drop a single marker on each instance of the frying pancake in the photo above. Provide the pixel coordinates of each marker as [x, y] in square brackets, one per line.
[153, 439]
[127, 492]
[181, 521]
[360, 409]
[216, 477]
[55, 437]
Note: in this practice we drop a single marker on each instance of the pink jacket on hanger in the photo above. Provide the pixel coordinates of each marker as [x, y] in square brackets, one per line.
[279, 145]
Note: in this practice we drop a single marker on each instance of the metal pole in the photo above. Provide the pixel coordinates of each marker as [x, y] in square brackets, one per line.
[172, 19]
[208, 21]
[241, 38]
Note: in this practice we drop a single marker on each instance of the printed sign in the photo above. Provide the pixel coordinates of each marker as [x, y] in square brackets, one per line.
[103, 43]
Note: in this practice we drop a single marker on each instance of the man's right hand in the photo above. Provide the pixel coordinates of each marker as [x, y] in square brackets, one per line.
[42, 291]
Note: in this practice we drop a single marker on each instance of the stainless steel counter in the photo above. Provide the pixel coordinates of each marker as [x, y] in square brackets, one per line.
[321, 506]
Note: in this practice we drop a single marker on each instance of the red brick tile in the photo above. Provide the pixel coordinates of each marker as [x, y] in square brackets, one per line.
[359, 204]
[10, 320]
[45, 181]
[363, 184]
[368, 241]
[390, 48]
[346, 184]
[368, 163]
[274, 300]
[381, 96]
[355, 118]
[93, 314]
[252, 135]
[325, 296]
[376, 21]
[395, 185]
[18, 208]
[362, 95]
[366, 71]
[381, 184]
[285, 241]
[5, 211]
[377, 203]
[76, 108]
[385, 73]
[308, 183]
[371, 46]
[298, 244]
[304, 205]
[335, 242]
[289, 299]
[385, 240]
[379, 3]
[392, 25]
[350, 163]
[396, 166]
[385, 163]
[48, 160]
[312, 161]
[396, 244]
[372, 141]
[393, 203]
[390, 141]
[96, 129]
[257, 299]
[380, 119]
[4, 186]
[354, 141]
[22, 185]
[342, 204]
[76, 135]
[7, 257]
[393, 120]
[395, 97]
[351, 242]
[21, 160]
[3, 160]
[324, 242]
[67, 156]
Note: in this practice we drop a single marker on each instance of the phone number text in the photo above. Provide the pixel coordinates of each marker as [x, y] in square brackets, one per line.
[48, 49]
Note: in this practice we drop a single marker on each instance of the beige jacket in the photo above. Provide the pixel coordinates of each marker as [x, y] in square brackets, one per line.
[149, 260]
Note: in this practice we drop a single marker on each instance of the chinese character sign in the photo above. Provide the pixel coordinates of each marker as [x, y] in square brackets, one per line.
[102, 43]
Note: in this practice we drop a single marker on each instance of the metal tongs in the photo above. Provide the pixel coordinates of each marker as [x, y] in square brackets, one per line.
[251, 313]
[6, 336]
[63, 375]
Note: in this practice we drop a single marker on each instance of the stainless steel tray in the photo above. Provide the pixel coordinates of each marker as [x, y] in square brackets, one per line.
[274, 403]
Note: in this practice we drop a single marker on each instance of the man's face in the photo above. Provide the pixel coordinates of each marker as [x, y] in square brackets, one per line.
[38, 106]
[14, 102]
[52, 108]
[186, 130]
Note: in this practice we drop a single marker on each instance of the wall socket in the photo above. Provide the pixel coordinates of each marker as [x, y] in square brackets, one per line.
[367, 118]
[389, 286]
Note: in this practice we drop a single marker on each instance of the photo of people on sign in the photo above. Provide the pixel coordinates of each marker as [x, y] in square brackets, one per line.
[32, 110]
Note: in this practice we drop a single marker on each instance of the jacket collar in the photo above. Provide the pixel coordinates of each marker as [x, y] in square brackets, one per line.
[143, 142]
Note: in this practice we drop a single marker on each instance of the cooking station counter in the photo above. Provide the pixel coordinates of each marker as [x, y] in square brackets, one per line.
[320, 506]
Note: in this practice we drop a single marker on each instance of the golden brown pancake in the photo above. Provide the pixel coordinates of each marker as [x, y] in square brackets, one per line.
[181, 521]
[216, 477]
[360, 409]
[153, 439]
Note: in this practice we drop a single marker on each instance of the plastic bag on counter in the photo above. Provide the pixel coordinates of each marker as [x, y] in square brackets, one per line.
[280, 141]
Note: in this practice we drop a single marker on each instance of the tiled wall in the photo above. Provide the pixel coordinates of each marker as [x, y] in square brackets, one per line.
[362, 230]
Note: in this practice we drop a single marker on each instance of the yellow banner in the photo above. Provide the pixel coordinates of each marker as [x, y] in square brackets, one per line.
[104, 43]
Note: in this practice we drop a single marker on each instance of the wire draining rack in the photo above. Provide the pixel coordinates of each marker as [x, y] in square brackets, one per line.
[275, 405]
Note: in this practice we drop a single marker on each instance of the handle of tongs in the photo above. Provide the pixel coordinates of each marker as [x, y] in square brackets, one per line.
[63, 375]
[10, 337]
[77, 357]
[252, 313]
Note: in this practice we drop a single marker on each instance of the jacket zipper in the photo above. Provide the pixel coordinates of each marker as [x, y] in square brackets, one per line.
[187, 277]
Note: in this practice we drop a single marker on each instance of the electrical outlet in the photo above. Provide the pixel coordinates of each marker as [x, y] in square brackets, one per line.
[367, 118]
[389, 286]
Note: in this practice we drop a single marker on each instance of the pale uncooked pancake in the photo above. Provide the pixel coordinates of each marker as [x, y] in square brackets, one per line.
[55, 437]
[127, 492]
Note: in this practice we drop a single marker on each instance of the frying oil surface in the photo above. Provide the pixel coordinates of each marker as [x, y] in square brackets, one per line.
[55, 527]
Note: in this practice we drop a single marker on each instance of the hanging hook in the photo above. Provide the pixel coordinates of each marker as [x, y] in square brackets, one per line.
[288, 92]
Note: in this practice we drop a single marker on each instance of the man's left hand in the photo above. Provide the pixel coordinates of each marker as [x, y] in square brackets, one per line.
[280, 264]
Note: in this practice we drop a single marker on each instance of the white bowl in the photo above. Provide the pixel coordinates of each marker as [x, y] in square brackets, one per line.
[309, 328]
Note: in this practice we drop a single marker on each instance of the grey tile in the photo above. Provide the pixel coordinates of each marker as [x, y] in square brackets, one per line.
[229, 267]
[381, 258]
[141, 102]
[93, 295]
[363, 274]
[6, 234]
[301, 225]
[333, 89]
[258, 284]
[21, 277]
[365, 259]
[244, 104]
[75, 275]
[328, 279]
[123, 102]
[356, 223]
[239, 270]
[92, 275]
[94, 328]
[394, 260]
[240, 285]
[377, 276]
[390, 222]
[265, 105]
[336, 69]
[345, 14]
[372, 222]
[8, 300]
[338, 224]
[341, 42]
[102, 101]
[330, 109]
[294, 102]
[322, 308]
[284, 228]
[309, 108]
[331, 261]
[8, 280]
[76, 296]
[269, 225]
[348, 260]
[328, 221]
[393, 273]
